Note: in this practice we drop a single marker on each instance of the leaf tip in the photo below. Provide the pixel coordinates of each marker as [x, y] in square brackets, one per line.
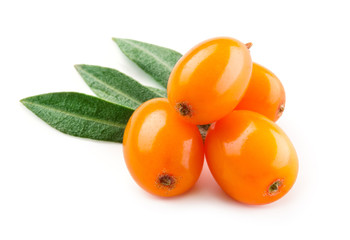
[78, 66]
[119, 41]
[23, 100]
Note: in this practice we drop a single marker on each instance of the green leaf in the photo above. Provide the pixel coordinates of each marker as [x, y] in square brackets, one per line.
[81, 115]
[114, 86]
[160, 92]
[157, 61]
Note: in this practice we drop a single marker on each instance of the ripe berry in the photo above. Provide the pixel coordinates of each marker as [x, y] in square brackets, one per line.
[163, 153]
[251, 158]
[265, 94]
[208, 82]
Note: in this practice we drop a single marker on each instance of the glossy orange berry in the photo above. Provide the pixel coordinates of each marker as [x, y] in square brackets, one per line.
[208, 82]
[265, 94]
[251, 158]
[163, 153]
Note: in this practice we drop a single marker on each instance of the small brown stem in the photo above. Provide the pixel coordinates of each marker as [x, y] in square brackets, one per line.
[184, 109]
[280, 110]
[167, 181]
[275, 187]
[203, 129]
[249, 45]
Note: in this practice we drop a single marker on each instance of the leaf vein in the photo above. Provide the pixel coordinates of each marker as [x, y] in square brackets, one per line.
[112, 88]
[78, 116]
[170, 68]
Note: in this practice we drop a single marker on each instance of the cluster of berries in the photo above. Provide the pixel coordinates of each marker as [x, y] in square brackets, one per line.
[216, 87]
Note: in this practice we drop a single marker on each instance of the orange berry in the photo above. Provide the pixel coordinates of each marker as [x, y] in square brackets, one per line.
[163, 153]
[265, 94]
[251, 158]
[208, 82]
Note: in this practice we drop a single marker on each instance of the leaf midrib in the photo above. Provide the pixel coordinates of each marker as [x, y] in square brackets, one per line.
[78, 116]
[151, 54]
[111, 87]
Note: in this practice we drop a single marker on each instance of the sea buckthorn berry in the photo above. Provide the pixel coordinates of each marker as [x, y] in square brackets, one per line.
[251, 158]
[265, 94]
[163, 153]
[208, 82]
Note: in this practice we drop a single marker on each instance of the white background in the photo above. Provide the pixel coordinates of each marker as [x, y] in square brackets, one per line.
[54, 186]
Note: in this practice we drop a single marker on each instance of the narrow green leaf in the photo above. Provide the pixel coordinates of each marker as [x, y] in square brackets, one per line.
[157, 61]
[160, 92]
[114, 86]
[81, 115]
